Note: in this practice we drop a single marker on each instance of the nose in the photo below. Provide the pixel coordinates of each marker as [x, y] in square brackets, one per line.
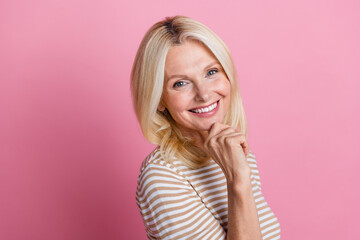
[202, 92]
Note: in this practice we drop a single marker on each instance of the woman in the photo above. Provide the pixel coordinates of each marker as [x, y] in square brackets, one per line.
[202, 181]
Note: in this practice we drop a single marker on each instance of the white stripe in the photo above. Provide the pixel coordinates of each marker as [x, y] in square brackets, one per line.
[207, 179]
[216, 170]
[217, 195]
[158, 192]
[173, 212]
[270, 234]
[195, 171]
[164, 199]
[184, 192]
[211, 184]
[225, 213]
[206, 231]
[174, 220]
[203, 229]
[276, 238]
[259, 199]
[251, 160]
[193, 226]
[152, 180]
[270, 228]
[216, 237]
[215, 189]
[267, 222]
[217, 209]
[261, 205]
[264, 210]
[153, 169]
[256, 193]
[266, 216]
[256, 177]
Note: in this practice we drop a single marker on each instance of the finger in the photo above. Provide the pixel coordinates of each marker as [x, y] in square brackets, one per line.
[225, 131]
[214, 130]
[224, 134]
[238, 138]
[246, 148]
[245, 145]
[217, 127]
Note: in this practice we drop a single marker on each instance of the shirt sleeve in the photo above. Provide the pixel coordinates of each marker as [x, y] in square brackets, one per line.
[255, 177]
[269, 224]
[171, 208]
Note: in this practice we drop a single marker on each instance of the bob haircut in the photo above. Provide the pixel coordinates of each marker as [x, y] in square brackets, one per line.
[147, 79]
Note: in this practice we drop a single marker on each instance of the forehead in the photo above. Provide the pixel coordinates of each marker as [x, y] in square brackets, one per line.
[188, 57]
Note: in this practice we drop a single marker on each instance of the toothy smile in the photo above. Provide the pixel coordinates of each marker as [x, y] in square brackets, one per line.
[205, 109]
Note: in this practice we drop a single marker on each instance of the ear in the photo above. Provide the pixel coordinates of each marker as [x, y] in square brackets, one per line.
[161, 108]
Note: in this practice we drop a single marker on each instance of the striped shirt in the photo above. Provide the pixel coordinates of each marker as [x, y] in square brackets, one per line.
[177, 202]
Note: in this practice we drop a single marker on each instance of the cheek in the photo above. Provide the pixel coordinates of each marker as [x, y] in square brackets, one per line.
[224, 87]
[177, 102]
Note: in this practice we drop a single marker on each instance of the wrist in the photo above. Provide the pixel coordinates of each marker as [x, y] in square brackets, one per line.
[239, 178]
[240, 186]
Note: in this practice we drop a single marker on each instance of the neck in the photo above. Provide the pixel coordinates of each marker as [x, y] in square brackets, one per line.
[199, 137]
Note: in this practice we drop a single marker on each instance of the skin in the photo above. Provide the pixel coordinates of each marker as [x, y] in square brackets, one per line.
[202, 83]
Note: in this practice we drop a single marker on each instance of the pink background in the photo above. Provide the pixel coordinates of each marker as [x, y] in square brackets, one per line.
[70, 145]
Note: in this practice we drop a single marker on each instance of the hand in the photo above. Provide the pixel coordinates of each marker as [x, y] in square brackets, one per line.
[228, 147]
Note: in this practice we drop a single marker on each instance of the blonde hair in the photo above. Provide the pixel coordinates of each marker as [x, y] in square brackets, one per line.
[147, 78]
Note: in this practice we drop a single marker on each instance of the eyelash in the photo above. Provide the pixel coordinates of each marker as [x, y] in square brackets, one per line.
[176, 84]
[212, 70]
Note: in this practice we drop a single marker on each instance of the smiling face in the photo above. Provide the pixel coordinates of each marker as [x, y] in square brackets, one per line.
[196, 90]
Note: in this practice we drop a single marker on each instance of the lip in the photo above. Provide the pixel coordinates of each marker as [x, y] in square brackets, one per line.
[205, 106]
[207, 114]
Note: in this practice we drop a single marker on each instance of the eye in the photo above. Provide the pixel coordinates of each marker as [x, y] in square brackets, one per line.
[179, 84]
[212, 72]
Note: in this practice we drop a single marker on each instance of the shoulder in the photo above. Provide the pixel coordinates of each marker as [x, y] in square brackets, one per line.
[156, 173]
[155, 163]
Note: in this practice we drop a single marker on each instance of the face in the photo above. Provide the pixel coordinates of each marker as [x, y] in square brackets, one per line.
[196, 90]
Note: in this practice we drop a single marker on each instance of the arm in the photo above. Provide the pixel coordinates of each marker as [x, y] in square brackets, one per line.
[229, 149]
[171, 209]
[243, 221]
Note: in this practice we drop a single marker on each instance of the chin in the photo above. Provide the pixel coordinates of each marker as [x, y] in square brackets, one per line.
[207, 126]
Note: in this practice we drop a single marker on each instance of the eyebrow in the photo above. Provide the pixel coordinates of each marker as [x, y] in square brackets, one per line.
[184, 76]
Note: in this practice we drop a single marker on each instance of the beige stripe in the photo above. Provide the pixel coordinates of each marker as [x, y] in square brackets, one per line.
[158, 182]
[219, 178]
[172, 209]
[198, 172]
[153, 168]
[219, 230]
[180, 215]
[214, 187]
[213, 226]
[219, 204]
[273, 230]
[267, 219]
[217, 174]
[177, 180]
[195, 218]
[148, 202]
[219, 198]
[158, 186]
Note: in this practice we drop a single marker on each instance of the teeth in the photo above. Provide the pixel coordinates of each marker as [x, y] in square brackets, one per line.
[207, 109]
